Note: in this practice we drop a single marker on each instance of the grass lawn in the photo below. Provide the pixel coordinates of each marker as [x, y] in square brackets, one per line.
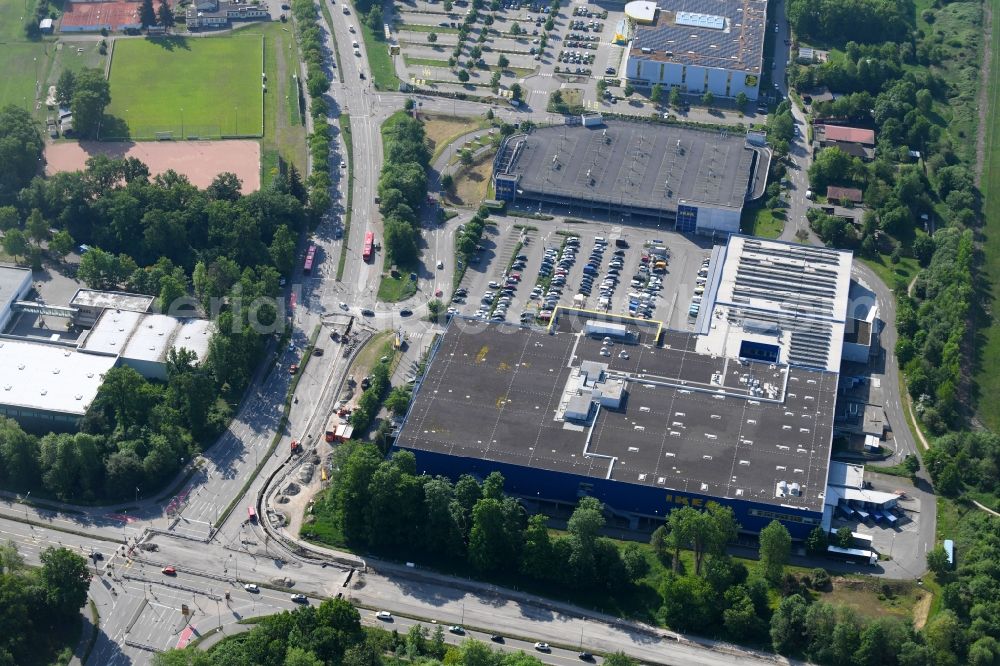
[424, 62]
[284, 132]
[191, 87]
[23, 61]
[420, 27]
[988, 379]
[894, 274]
[383, 74]
[393, 290]
[760, 221]
[442, 131]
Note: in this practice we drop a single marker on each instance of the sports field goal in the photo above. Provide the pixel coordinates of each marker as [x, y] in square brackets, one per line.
[164, 136]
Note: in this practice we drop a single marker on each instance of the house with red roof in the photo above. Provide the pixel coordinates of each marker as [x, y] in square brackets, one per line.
[854, 141]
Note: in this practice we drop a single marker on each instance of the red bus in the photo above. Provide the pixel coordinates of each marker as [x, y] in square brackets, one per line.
[251, 514]
[369, 246]
[310, 258]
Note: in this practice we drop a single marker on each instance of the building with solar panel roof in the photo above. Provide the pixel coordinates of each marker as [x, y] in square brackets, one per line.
[699, 46]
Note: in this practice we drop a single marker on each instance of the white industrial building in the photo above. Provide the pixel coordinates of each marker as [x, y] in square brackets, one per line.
[49, 383]
[15, 283]
[699, 46]
[777, 302]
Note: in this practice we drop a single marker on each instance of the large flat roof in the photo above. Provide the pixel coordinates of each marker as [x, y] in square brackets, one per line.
[769, 291]
[50, 377]
[688, 422]
[12, 280]
[119, 300]
[726, 34]
[146, 337]
[634, 165]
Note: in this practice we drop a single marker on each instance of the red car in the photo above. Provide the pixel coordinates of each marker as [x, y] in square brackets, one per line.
[170, 571]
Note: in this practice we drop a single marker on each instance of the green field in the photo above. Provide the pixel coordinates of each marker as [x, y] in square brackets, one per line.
[987, 378]
[191, 87]
[759, 221]
[23, 61]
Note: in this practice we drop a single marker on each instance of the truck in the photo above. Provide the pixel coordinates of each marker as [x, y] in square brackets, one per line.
[295, 447]
[331, 427]
[344, 8]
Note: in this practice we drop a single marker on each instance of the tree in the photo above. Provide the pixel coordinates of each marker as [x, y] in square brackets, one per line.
[629, 90]
[775, 547]
[61, 244]
[447, 182]
[465, 156]
[282, 250]
[172, 291]
[15, 243]
[911, 464]
[147, 15]
[817, 541]
[398, 400]
[463, 76]
[788, 625]
[164, 14]
[515, 29]
[503, 62]
[432, 37]
[742, 100]
[90, 97]
[675, 97]
[36, 226]
[20, 151]
[843, 538]
[937, 560]
[708, 99]
[515, 92]
[65, 87]
[656, 95]
[620, 659]
[65, 580]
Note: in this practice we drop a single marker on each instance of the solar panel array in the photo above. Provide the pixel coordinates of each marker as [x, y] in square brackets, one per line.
[800, 283]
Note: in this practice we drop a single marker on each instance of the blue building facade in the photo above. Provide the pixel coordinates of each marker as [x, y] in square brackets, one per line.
[623, 497]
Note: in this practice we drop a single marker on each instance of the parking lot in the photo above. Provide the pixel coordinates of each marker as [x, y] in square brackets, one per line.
[554, 263]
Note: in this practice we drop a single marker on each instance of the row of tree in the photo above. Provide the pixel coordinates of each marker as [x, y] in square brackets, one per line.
[402, 186]
[39, 603]
[370, 401]
[310, 38]
[331, 633]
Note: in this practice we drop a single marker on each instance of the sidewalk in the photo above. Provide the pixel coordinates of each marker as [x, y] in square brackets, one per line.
[226, 631]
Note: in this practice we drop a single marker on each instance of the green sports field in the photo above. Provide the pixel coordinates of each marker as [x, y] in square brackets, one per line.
[192, 87]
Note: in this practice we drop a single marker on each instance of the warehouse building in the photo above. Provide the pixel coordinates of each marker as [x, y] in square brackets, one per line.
[647, 419]
[698, 46]
[697, 180]
[48, 379]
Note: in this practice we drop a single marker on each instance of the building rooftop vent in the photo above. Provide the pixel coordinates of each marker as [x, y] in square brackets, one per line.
[695, 20]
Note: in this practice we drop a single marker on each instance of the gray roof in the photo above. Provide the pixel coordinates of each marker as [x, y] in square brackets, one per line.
[492, 392]
[634, 165]
[739, 45]
[12, 279]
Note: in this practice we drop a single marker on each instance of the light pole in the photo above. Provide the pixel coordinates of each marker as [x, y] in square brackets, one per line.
[182, 122]
[236, 110]
[137, 494]
[26, 504]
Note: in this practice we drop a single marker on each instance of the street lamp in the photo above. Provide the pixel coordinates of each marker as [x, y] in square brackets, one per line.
[25, 502]
[182, 122]
[137, 494]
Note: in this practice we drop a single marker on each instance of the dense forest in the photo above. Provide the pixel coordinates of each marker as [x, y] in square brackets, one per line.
[214, 251]
[40, 607]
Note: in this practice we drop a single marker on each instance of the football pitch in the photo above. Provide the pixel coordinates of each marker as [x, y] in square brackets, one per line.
[179, 87]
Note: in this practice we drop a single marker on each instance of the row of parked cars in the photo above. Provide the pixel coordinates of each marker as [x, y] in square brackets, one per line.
[495, 302]
[699, 289]
[555, 268]
[593, 268]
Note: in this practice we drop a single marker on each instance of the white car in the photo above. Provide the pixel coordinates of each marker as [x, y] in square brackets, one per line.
[343, 305]
[251, 587]
[440, 264]
[385, 616]
[542, 647]
[343, 165]
[350, 29]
